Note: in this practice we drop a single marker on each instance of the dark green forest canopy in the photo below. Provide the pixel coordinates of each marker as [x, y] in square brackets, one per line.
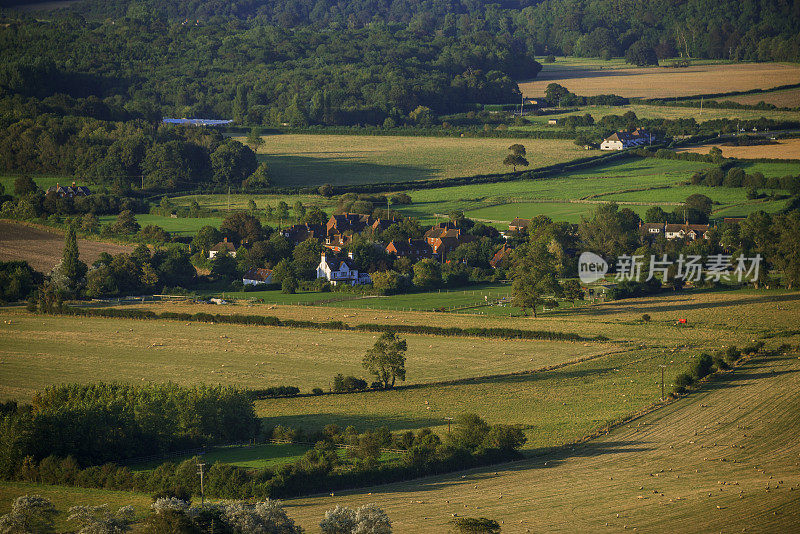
[259, 73]
[748, 29]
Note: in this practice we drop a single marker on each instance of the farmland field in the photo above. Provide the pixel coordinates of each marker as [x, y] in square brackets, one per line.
[187, 226]
[38, 351]
[781, 149]
[661, 82]
[41, 247]
[644, 111]
[787, 98]
[301, 160]
[616, 177]
[700, 464]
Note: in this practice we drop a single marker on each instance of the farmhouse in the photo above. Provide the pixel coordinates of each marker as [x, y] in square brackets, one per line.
[300, 232]
[257, 276]
[651, 231]
[448, 240]
[416, 249]
[223, 246]
[338, 270]
[622, 140]
[437, 229]
[502, 258]
[340, 229]
[686, 231]
[69, 191]
[519, 225]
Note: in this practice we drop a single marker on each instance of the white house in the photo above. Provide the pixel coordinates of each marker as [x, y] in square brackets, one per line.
[337, 270]
[257, 276]
[222, 246]
[686, 231]
[621, 140]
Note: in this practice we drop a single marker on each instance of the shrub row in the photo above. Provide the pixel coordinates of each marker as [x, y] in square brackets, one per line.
[274, 391]
[268, 320]
[707, 364]
[473, 443]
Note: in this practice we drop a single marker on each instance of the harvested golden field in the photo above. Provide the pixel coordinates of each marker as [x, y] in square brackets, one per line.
[782, 149]
[301, 159]
[788, 98]
[723, 459]
[41, 247]
[663, 82]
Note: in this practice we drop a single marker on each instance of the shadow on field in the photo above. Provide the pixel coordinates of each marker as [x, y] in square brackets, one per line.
[670, 305]
[544, 459]
[750, 371]
[299, 171]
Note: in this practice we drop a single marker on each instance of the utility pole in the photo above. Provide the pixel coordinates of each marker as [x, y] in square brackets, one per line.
[201, 472]
[449, 420]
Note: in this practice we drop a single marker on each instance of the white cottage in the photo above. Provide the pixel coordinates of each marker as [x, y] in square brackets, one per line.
[337, 270]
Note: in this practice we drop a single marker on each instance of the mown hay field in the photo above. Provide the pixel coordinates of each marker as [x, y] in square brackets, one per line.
[722, 459]
[41, 247]
[297, 160]
[38, 351]
[662, 82]
[780, 149]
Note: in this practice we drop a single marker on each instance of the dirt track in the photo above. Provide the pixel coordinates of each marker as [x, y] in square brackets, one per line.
[41, 247]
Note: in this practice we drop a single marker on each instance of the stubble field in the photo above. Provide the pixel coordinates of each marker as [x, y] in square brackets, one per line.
[41, 247]
[661, 82]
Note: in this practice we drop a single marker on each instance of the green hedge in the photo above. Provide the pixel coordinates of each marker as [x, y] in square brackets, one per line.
[268, 320]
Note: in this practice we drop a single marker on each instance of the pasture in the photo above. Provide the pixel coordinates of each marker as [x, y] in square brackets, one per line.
[297, 160]
[184, 226]
[595, 78]
[41, 246]
[637, 174]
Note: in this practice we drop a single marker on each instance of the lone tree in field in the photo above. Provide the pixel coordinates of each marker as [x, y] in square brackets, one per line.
[534, 277]
[517, 157]
[387, 360]
[254, 140]
[68, 275]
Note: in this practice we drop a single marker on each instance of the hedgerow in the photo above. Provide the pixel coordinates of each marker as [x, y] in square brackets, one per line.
[268, 320]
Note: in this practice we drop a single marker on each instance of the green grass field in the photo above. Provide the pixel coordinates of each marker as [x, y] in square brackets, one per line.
[300, 159]
[183, 226]
[42, 180]
[249, 456]
[618, 177]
